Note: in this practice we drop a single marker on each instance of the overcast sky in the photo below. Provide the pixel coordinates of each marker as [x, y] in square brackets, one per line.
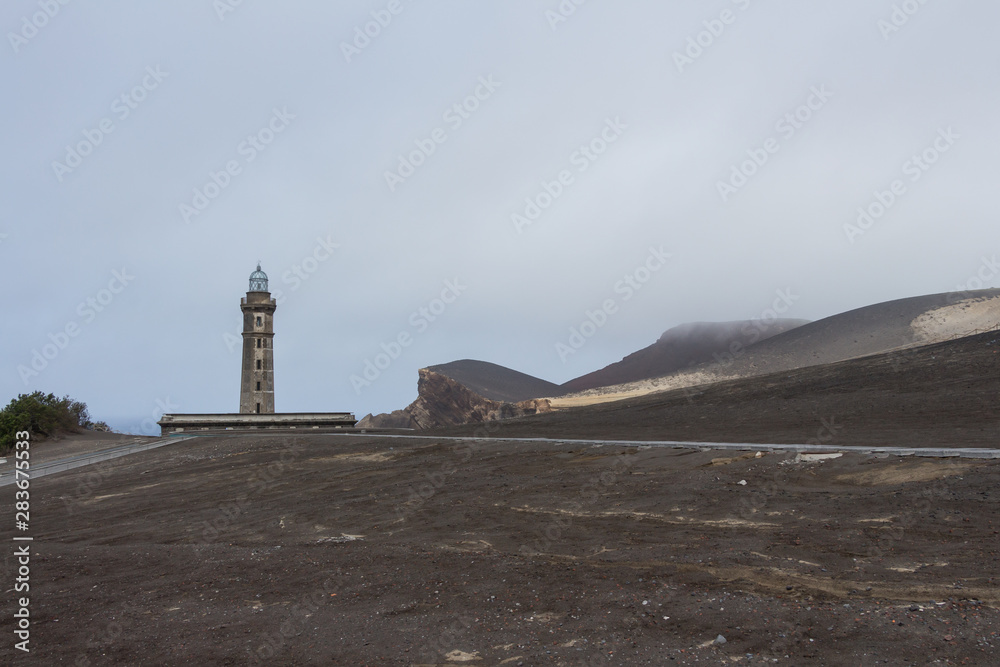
[518, 156]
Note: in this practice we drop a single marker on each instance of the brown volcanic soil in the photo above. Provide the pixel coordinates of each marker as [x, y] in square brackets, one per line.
[941, 395]
[357, 550]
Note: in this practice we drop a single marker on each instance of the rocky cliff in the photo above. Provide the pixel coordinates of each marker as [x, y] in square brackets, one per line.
[442, 401]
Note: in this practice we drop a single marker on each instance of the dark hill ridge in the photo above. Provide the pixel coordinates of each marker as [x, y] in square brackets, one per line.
[496, 382]
[680, 348]
[861, 332]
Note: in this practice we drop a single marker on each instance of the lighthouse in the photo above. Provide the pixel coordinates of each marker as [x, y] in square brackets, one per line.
[257, 380]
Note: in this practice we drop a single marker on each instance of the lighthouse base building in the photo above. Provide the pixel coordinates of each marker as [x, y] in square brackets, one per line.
[257, 380]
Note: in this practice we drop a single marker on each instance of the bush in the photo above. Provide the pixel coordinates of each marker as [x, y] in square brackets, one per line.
[41, 415]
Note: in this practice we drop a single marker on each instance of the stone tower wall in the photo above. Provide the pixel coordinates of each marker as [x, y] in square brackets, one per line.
[258, 350]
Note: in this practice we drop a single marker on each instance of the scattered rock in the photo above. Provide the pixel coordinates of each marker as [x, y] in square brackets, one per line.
[816, 458]
[462, 656]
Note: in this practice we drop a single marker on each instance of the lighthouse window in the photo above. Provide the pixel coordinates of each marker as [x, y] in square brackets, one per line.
[258, 320]
[258, 408]
[258, 386]
[258, 364]
[258, 342]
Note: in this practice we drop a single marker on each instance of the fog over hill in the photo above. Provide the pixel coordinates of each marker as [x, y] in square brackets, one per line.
[682, 347]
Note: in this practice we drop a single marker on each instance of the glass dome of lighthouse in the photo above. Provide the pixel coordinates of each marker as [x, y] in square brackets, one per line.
[258, 280]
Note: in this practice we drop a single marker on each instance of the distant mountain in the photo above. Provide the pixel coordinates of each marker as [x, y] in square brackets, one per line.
[496, 382]
[876, 329]
[680, 348]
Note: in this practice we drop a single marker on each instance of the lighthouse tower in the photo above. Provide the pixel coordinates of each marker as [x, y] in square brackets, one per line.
[257, 384]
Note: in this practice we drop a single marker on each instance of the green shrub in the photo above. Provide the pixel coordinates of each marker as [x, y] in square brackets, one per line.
[42, 415]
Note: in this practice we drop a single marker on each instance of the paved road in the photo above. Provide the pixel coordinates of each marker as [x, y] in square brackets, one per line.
[7, 476]
[931, 452]
[60, 465]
